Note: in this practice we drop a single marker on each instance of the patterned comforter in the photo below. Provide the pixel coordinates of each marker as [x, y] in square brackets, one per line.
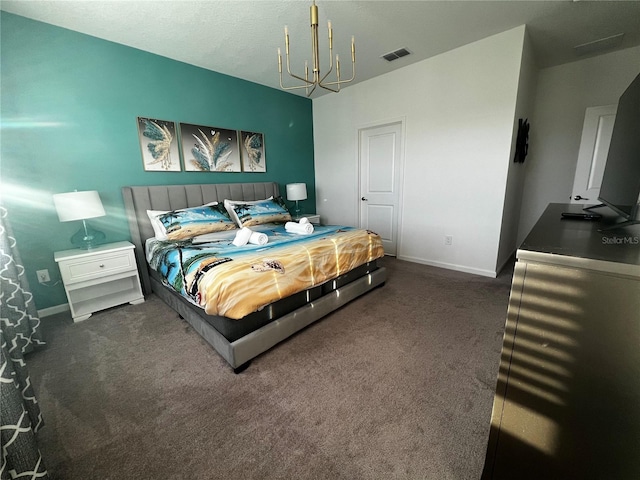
[236, 281]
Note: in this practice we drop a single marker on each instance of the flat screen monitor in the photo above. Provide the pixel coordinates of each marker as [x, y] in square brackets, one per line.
[620, 186]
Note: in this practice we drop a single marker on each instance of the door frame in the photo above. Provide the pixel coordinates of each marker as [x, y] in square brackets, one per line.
[402, 120]
[588, 141]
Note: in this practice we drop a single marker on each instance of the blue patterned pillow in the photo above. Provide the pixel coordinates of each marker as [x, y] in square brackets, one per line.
[246, 214]
[191, 222]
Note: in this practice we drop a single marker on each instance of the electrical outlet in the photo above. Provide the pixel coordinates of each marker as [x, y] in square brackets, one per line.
[448, 240]
[43, 276]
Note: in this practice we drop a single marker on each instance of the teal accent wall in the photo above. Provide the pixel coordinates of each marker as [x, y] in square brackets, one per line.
[69, 109]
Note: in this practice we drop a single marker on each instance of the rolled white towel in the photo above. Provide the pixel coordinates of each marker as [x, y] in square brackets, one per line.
[303, 220]
[242, 237]
[258, 238]
[299, 228]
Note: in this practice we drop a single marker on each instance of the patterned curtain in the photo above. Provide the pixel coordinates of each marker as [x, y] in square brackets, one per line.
[19, 334]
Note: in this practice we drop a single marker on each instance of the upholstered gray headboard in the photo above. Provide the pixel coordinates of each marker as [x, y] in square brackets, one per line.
[139, 199]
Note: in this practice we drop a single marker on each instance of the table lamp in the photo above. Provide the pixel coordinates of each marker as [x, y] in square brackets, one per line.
[297, 192]
[76, 205]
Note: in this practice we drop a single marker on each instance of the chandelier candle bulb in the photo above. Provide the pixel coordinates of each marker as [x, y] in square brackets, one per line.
[286, 42]
[306, 76]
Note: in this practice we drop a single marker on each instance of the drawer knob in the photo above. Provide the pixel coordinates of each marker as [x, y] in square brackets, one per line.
[102, 265]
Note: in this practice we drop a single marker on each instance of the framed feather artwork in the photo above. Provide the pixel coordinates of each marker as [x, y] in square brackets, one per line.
[159, 145]
[209, 149]
[252, 146]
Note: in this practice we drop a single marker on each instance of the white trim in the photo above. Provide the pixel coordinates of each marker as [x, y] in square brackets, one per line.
[47, 312]
[450, 266]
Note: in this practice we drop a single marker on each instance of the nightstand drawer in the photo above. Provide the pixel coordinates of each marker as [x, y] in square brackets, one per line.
[96, 266]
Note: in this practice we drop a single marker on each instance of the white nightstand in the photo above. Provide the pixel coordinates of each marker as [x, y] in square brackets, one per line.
[312, 217]
[103, 277]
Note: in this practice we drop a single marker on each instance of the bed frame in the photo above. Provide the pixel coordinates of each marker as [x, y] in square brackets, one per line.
[238, 353]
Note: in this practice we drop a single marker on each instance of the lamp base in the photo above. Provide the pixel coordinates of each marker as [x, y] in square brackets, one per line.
[87, 237]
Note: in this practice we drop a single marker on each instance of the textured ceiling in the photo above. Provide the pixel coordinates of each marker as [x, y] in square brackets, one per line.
[241, 38]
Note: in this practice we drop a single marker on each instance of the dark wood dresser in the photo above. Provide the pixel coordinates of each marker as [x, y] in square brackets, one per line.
[567, 403]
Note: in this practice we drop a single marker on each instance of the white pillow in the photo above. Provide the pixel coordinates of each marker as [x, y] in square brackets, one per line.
[158, 229]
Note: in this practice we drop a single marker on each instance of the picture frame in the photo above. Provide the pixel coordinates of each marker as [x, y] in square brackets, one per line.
[159, 145]
[253, 152]
[209, 149]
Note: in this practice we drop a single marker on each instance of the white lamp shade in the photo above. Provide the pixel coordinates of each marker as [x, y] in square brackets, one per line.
[296, 191]
[78, 205]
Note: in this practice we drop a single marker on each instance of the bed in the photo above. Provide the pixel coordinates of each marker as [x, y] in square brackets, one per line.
[239, 334]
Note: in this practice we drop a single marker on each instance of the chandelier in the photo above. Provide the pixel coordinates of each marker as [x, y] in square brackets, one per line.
[310, 84]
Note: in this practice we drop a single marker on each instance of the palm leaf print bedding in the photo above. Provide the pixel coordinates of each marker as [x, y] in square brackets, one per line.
[235, 281]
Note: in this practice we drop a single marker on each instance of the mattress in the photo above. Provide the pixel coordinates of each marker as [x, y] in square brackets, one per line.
[233, 329]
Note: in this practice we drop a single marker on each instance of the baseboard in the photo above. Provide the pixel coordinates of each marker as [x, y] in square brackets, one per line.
[47, 312]
[450, 266]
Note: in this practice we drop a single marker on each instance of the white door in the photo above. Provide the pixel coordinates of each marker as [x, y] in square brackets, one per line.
[380, 172]
[592, 156]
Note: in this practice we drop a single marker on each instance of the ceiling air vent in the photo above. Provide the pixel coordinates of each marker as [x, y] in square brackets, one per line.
[599, 45]
[391, 56]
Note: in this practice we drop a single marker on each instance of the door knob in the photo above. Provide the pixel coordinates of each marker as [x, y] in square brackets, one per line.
[578, 197]
[364, 199]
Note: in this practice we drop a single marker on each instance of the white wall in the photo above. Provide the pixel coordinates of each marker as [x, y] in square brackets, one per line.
[516, 174]
[459, 111]
[563, 94]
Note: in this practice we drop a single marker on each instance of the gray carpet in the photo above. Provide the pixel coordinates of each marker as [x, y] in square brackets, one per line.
[396, 385]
